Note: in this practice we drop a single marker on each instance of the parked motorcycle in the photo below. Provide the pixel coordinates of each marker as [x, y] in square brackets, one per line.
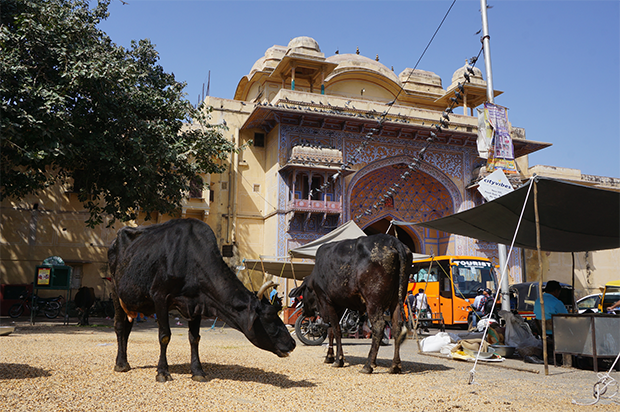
[312, 330]
[49, 306]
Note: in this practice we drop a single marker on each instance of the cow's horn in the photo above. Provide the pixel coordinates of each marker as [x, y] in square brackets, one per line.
[264, 288]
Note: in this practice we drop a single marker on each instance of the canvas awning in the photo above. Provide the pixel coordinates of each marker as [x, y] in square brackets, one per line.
[572, 218]
[347, 231]
[282, 267]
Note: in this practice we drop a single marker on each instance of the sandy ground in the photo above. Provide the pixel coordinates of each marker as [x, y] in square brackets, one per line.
[69, 368]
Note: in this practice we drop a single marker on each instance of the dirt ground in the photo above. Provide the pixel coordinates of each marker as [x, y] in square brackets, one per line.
[53, 367]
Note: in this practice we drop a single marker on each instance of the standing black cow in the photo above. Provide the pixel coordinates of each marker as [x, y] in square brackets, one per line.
[368, 274]
[84, 300]
[177, 265]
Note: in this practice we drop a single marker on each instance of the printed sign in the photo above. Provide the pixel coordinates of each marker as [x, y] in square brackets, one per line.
[494, 185]
[43, 276]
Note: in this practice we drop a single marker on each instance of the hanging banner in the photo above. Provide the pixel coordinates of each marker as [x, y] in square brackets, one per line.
[503, 152]
[485, 134]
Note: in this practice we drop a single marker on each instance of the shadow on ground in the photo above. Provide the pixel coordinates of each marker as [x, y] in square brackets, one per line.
[237, 373]
[384, 364]
[20, 371]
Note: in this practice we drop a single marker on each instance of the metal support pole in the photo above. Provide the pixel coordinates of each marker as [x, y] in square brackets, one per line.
[486, 43]
[501, 249]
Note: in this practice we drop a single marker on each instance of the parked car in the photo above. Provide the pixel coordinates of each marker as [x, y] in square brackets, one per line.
[611, 295]
[590, 303]
[523, 296]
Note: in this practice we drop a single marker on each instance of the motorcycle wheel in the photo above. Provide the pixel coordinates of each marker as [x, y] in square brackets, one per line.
[16, 310]
[51, 310]
[308, 332]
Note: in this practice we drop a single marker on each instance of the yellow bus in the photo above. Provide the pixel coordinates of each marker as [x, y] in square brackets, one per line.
[451, 284]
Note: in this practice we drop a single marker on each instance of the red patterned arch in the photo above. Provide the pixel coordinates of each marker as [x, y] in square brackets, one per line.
[420, 198]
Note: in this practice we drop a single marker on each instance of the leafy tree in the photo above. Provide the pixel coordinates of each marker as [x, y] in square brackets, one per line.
[77, 107]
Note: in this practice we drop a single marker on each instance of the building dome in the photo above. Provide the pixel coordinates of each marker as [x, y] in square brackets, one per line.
[304, 42]
[475, 79]
[353, 62]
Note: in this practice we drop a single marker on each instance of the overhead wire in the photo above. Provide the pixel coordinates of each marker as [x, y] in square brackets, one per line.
[370, 134]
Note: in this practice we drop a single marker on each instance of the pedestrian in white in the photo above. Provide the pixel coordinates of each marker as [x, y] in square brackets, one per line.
[421, 307]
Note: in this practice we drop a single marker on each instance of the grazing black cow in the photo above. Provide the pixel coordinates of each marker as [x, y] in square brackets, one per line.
[84, 300]
[368, 274]
[178, 265]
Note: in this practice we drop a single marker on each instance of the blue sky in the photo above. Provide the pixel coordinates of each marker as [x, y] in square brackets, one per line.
[557, 62]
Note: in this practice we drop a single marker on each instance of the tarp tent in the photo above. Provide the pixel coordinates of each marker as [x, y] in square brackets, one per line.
[572, 218]
[556, 217]
[282, 267]
[347, 231]
[285, 267]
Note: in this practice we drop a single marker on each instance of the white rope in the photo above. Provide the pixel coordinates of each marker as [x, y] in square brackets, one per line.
[600, 387]
[472, 372]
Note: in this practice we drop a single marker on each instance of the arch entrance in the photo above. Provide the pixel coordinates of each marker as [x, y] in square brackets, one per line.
[382, 226]
[421, 198]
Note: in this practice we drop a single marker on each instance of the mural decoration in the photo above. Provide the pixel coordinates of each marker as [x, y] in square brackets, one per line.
[421, 198]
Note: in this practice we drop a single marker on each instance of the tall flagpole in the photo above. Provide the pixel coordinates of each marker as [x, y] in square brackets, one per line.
[486, 43]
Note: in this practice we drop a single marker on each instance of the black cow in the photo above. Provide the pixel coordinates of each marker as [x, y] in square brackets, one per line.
[84, 300]
[178, 265]
[368, 274]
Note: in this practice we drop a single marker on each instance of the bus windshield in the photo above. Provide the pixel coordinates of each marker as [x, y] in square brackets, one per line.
[470, 275]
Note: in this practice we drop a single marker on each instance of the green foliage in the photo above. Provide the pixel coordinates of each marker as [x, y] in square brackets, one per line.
[77, 107]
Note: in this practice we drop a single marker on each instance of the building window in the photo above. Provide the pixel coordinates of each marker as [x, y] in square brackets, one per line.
[317, 182]
[227, 251]
[259, 139]
[195, 187]
[256, 188]
[224, 185]
[211, 196]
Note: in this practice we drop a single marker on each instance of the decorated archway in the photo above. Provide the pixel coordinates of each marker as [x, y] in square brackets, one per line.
[422, 197]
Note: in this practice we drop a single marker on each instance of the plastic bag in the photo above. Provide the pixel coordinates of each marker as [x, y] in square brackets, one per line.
[435, 343]
[518, 333]
[447, 349]
[483, 324]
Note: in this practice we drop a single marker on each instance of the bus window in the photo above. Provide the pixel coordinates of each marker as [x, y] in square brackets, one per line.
[421, 272]
[470, 275]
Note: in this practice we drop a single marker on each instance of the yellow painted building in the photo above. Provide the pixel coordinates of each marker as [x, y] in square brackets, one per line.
[345, 124]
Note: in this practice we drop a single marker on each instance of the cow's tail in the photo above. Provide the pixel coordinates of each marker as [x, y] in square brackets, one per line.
[405, 258]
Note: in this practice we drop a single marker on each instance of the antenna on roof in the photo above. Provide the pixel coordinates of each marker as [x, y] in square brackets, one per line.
[209, 83]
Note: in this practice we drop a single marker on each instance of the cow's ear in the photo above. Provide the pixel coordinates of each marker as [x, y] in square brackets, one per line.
[296, 292]
[252, 313]
[246, 307]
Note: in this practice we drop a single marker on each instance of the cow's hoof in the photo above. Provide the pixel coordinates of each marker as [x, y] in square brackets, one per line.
[163, 377]
[329, 359]
[395, 369]
[122, 368]
[338, 363]
[199, 378]
[366, 369]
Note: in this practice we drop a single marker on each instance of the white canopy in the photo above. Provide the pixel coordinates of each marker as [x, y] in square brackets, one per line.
[347, 231]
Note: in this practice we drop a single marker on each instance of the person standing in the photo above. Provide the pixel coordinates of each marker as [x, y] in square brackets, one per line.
[421, 307]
